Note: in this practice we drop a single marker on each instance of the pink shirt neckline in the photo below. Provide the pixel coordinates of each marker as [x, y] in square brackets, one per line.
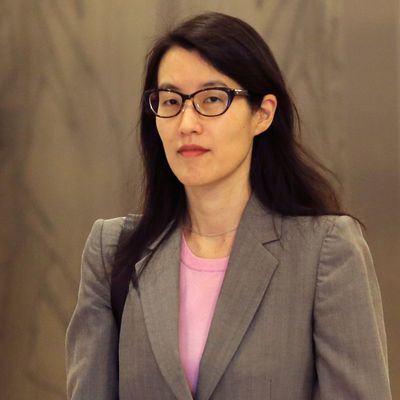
[190, 260]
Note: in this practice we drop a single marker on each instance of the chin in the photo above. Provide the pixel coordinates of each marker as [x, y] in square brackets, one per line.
[192, 181]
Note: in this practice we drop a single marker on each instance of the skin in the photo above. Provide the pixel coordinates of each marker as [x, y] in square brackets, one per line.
[217, 181]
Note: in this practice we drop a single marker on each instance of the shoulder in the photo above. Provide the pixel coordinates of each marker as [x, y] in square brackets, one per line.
[336, 243]
[105, 233]
[110, 229]
[319, 228]
[315, 242]
[103, 240]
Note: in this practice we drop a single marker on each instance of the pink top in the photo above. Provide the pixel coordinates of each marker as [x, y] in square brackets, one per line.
[200, 284]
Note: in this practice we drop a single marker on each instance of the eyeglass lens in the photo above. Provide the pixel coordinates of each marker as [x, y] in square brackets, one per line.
[208, 102]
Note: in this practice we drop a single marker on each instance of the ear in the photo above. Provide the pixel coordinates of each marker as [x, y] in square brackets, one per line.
[265, 114]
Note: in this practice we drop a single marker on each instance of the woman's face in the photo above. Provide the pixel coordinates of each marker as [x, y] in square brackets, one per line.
[207, 150]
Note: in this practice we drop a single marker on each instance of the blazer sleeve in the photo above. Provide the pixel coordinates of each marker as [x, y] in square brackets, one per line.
[349, 333]
[91, 338]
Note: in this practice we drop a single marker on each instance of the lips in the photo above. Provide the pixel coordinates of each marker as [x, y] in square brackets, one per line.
[192, 150]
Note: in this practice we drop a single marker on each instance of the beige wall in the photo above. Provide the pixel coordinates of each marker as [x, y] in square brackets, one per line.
[371, 105]
[69, 88]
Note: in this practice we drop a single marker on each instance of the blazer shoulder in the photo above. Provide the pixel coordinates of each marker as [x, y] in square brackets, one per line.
[111, 229]
[320, 226]
[104, 237]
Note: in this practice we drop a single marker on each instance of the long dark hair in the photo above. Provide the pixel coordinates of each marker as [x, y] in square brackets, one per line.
[283, 176]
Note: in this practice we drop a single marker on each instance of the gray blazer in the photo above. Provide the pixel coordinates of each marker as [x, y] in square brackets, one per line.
[299, 317]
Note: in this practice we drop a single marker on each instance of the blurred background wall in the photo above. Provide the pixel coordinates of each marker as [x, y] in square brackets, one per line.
[70, 78]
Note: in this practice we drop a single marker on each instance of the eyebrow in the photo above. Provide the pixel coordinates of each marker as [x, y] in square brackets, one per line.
[204, 85]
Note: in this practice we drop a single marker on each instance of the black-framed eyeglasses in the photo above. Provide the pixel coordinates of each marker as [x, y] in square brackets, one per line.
[210, 102]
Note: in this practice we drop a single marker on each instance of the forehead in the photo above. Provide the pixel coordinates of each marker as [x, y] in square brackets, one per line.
[187, 70]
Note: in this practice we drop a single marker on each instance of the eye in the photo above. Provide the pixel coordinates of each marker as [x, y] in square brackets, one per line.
[212, 99]
[170, 102]
[167, 99]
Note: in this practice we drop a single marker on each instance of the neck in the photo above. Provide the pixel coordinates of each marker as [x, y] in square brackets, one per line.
[216, 211]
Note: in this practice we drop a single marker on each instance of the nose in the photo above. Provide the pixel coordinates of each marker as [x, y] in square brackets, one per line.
[189, 119]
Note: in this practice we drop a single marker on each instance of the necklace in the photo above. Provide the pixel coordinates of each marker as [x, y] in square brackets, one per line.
[210, 234]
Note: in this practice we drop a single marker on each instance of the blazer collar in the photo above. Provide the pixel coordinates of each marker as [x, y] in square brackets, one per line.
[263, 224]
[249, 271]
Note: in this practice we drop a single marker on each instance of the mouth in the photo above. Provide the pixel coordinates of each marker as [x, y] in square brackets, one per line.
[192, 151]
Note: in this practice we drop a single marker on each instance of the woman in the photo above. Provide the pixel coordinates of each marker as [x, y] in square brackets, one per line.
[248, 281]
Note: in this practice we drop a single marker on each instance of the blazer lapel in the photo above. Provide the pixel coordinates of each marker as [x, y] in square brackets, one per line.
[159, 293]
[249, 272]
